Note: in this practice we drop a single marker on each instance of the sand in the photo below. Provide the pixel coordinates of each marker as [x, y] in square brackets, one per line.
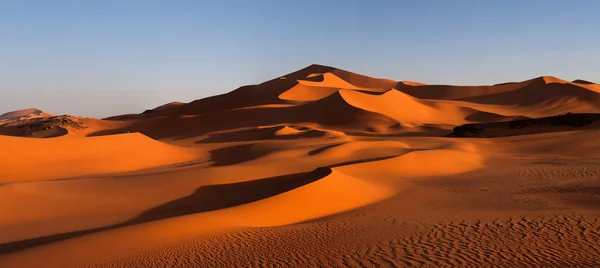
[23, 114]
[24, 159]
[317, 168]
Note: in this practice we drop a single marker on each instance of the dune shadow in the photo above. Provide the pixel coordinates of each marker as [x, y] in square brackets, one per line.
[236, 154]
[362, 161]
[324, 148]
[220, 196]
[430, 132]
[204, 199]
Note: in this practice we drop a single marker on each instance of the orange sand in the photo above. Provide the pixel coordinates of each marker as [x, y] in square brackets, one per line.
[317, 168]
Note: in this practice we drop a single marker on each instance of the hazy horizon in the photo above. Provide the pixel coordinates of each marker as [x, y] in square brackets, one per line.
[106, 58]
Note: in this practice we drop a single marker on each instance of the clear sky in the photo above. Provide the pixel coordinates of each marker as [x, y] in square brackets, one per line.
[101, 58]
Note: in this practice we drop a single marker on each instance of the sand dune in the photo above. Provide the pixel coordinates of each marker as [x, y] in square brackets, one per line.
[407, 110]
[538, 97]
[303, 92]
[318, 94]
[62, 158]
[447, 161]
[287, 131]
[321, 198]
[557, 94]
[320, 86]
[23, 114]
[168, 105]
[334, 110]
[364, 81]
[447, 92]
[581, 81]
[320, 167]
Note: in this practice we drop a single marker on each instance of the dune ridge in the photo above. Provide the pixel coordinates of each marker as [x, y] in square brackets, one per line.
[423, 108]
[320, 167]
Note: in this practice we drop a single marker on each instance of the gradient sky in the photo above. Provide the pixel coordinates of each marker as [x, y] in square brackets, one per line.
[102, 58]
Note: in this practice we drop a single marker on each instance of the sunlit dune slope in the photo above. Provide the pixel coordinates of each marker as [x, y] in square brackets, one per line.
[276, 201]
[319, 86]
[447, 161]
[349, 102]
[335, 110]
[544, 91]
[24, 159]
[310, 83]
[407, 110]
[332, 192]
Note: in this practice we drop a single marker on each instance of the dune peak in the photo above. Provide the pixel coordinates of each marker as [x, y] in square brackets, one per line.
[552, 79]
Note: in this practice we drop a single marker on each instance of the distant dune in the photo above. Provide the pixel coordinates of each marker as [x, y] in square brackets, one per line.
[23, 114]
[580, 81]
[320, 167]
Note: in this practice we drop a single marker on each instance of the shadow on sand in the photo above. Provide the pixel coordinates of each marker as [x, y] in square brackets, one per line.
[204, 199]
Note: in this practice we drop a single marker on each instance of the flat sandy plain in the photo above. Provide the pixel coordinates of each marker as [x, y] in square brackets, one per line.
[318, 168]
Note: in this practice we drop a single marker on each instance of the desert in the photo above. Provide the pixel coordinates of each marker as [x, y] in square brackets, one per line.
[320, 167]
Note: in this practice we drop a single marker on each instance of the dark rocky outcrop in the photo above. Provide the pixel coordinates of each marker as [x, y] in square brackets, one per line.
[511, 128]
[54, 126]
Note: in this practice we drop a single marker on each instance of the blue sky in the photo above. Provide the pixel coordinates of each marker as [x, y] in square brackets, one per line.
[101, 58]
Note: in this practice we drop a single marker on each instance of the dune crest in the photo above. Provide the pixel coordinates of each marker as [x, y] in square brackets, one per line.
[334, 193]
[286, 130]
[551, 79]
[447, 161]
[412, 83]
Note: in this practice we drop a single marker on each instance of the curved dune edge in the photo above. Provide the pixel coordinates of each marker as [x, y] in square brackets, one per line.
[335, 112]
[319, 86]
[302, 92]
[406, 109]
[22, 158]
[455, 159]
[329, 195]
[325, 80]
[334, 191]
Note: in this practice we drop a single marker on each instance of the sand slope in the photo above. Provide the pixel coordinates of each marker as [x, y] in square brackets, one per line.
[335, 192]
[24, 159]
